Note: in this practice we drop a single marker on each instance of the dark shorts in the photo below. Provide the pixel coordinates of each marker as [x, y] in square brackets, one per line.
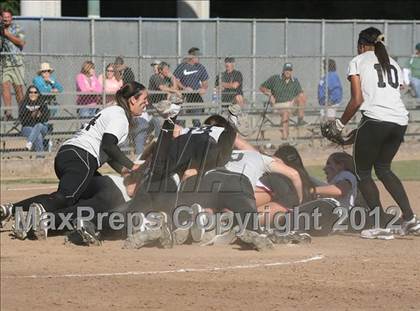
[282, 189]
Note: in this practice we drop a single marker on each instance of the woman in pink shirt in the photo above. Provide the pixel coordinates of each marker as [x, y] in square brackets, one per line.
[87, 82]
[110, 84]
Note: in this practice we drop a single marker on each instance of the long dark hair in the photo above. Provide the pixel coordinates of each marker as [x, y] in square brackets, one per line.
[291, 157]
[345, 160]
[27, 101]
[124, 93]
[226, 140]
[373, 36]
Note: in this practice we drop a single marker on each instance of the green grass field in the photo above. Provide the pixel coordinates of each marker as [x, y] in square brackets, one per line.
[406, 170]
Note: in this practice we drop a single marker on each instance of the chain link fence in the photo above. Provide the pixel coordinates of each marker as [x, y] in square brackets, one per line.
[63, 91]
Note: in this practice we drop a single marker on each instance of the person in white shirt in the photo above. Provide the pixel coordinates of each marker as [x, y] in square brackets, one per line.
[96, 143]
[375, 80]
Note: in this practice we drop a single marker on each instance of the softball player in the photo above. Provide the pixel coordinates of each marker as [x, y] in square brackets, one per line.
[95, 143]
[375, 82]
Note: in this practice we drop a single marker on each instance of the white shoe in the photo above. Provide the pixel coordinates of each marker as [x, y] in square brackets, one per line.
[226, 238]
[29, 146]
[199, 221]
[39, 227]
[378, 233]
[410, 227]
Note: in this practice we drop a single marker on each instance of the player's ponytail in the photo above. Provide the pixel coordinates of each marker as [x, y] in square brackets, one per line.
[373, 36]
[124, 93]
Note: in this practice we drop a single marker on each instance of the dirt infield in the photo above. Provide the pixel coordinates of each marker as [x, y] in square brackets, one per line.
[333, 273]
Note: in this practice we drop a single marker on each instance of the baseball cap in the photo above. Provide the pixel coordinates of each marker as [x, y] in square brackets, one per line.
[287, 67]
[229, 60]
[194, 51]
[418, 46]
[155, 62]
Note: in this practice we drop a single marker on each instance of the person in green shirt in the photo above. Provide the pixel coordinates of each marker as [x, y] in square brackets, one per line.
[284, 94]
[412, 71]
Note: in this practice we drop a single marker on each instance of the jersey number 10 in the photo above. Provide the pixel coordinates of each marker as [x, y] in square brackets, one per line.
[390, 76]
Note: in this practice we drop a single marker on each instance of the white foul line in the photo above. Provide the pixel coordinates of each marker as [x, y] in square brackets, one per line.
[129, 273]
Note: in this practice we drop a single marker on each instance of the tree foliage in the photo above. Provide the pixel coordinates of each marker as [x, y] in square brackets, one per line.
[12, 5]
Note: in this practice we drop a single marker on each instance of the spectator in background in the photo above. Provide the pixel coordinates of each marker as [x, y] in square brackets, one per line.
[284, 92]
[33, 115]
[330, 90]
[331, 81]
[87, 82]
[109, 83]
[412, 72]
[231, 83]
[192, 77]
[47, 83]
[163, 81]
[122, 71]
[12, 39]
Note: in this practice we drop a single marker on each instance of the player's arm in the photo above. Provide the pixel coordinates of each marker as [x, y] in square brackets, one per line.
[242, 144]
[356, 99]
[278, 166]
[337, 190]
[117, 159]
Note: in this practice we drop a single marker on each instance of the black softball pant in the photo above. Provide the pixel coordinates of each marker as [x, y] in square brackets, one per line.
[375, 146]
[74, 168]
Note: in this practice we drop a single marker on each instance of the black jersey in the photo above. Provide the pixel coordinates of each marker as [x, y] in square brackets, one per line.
[202, 148]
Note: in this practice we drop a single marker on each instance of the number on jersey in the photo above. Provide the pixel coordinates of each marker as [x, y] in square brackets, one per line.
[92, 122]
[392, 74]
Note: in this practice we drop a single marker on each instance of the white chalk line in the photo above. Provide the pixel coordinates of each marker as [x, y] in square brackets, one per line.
[32, 188]
[134, 273]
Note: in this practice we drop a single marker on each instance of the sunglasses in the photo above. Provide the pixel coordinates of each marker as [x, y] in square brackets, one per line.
[45, 71]
[33, 92]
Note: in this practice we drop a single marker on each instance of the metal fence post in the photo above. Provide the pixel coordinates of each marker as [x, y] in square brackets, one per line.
[104, 77]
[219, 100]
[92, 38]
[253, 64]
[324, 69]
[354, 36]
[41, 37]
[386, 30]
[139, 45]
[178, 41]
[286, 25]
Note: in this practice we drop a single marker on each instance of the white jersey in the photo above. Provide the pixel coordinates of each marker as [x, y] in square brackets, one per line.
[349, 199]
[381, 94]
[250, 163]
[111, 120]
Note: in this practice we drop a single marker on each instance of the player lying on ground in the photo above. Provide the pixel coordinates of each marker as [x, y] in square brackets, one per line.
[94, 144]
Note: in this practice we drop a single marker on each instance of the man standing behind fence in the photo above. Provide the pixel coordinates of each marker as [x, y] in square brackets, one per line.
[230, 83]
[284, 92]
[193, 77]
[12, 40]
